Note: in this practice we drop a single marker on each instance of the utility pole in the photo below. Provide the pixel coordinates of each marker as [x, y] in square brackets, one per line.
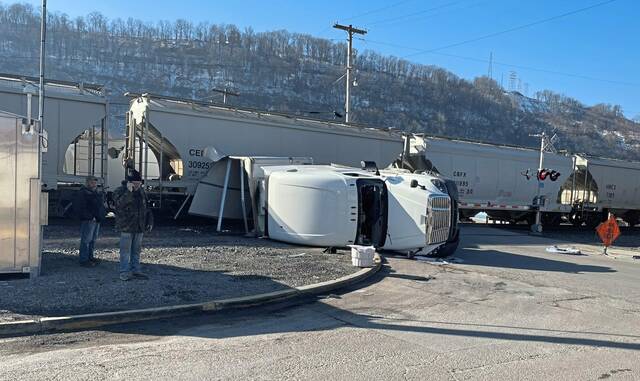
[490, 71]
[350, 31]
[224, 93]
[40, 132]
[43, 34]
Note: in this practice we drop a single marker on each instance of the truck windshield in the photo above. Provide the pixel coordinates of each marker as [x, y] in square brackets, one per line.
[372, 212]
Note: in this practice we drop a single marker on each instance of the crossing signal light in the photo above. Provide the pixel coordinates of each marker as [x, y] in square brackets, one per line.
[544, 173]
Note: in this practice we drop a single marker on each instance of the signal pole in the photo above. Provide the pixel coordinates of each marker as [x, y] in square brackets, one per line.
[350, 31]
[546, 143]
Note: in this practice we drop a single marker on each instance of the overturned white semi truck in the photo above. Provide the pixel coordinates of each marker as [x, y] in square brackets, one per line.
[337, 206]
[292, 200]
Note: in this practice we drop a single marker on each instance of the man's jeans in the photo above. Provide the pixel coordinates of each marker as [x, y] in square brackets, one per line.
[130, 246]
[88, 234]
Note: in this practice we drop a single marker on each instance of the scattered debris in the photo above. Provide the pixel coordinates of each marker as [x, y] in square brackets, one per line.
[297, 255]
[435, 261]
[438, 261]
[563, 250]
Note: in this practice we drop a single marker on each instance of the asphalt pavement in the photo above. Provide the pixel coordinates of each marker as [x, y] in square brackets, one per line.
[503, 309]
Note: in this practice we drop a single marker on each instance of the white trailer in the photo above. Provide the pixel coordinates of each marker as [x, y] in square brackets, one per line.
[76, 123]
[187, 138]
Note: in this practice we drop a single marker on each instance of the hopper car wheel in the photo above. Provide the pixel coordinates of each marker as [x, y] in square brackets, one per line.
[632, 219]
[551, 219]
[576, 219]
[530, 219]
[592, 220]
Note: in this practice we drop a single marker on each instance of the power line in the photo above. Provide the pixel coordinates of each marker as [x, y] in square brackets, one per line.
[584, 108]
[326, 29]
[522, 67]
[513, 29]
[377, 10]
[382, 21]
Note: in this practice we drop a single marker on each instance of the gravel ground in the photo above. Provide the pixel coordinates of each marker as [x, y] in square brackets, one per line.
[186, 264]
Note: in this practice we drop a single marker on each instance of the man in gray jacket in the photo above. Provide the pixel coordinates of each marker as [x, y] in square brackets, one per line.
[131, 221]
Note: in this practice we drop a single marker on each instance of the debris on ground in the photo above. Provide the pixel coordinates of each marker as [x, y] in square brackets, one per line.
[438, 261]
[564, 250]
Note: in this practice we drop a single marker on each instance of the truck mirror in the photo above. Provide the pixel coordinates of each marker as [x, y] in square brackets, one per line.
[414, 183]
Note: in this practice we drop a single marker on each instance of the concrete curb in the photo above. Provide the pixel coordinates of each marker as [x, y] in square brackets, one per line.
[86, 321]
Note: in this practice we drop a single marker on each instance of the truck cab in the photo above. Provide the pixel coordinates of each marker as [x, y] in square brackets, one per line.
[336, 206]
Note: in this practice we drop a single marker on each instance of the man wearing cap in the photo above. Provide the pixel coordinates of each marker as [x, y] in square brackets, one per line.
[131, 220]
[89, 208]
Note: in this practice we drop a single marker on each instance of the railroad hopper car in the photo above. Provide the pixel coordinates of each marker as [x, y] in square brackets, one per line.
[605, 185]
[186, 139]
[75, 120]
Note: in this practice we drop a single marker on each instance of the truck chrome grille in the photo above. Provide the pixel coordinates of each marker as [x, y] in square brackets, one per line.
[439, 219]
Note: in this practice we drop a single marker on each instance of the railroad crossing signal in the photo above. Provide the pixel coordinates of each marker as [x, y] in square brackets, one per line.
[548, 173]
[541, 174]
[608, 232]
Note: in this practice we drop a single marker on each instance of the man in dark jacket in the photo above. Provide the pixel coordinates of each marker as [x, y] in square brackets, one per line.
[131, 221]
[89, 208]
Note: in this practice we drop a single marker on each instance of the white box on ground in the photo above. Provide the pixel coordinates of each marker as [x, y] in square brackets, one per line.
[362, 256]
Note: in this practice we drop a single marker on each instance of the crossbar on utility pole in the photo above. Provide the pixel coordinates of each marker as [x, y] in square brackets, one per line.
[350, 31]
[224, 93]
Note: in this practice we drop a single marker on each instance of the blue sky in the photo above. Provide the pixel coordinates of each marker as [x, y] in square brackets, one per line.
[599, 44]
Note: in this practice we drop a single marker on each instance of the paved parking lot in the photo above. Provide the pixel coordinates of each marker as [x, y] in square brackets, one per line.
[506, 309]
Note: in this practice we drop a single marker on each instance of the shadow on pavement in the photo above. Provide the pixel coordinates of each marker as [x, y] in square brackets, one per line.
[494, 258]
[313, 315]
